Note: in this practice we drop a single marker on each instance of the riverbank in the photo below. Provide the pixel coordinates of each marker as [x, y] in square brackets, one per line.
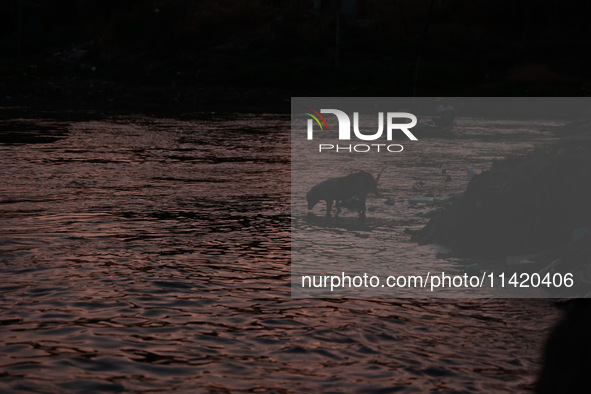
[526, 213]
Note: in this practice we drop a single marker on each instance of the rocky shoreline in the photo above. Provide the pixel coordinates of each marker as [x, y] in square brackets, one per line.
[527, 213]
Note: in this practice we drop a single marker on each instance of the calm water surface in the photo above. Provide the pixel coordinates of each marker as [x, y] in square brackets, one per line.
[141, 253]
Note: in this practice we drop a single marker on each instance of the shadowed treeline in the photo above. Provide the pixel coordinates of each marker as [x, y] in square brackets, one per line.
[186, 51]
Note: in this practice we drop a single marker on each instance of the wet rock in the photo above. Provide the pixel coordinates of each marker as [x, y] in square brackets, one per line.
[521, 260]
[472, 269]
[521, 205]
[471, 173]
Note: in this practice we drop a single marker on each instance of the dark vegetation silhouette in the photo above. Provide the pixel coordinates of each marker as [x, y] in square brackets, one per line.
[199, 52]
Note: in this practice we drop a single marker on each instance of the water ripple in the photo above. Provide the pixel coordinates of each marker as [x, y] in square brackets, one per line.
[144, 254]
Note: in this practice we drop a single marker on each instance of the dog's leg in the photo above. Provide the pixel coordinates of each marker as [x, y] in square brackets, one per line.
[328, 208]
[362, 207]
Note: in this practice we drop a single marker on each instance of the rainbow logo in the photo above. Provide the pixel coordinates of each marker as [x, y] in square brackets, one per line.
[315, 115]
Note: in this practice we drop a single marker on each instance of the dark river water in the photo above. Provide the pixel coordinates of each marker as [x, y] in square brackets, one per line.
[149, 254]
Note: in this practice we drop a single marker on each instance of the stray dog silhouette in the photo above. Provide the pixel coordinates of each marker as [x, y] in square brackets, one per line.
[336, 190]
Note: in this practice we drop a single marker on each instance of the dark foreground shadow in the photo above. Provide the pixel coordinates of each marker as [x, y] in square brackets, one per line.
[567, 357]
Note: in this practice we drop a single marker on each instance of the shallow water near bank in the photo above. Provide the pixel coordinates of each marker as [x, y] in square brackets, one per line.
[147, 253]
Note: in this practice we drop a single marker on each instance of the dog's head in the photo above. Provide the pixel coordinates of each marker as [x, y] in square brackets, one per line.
[312, 198]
